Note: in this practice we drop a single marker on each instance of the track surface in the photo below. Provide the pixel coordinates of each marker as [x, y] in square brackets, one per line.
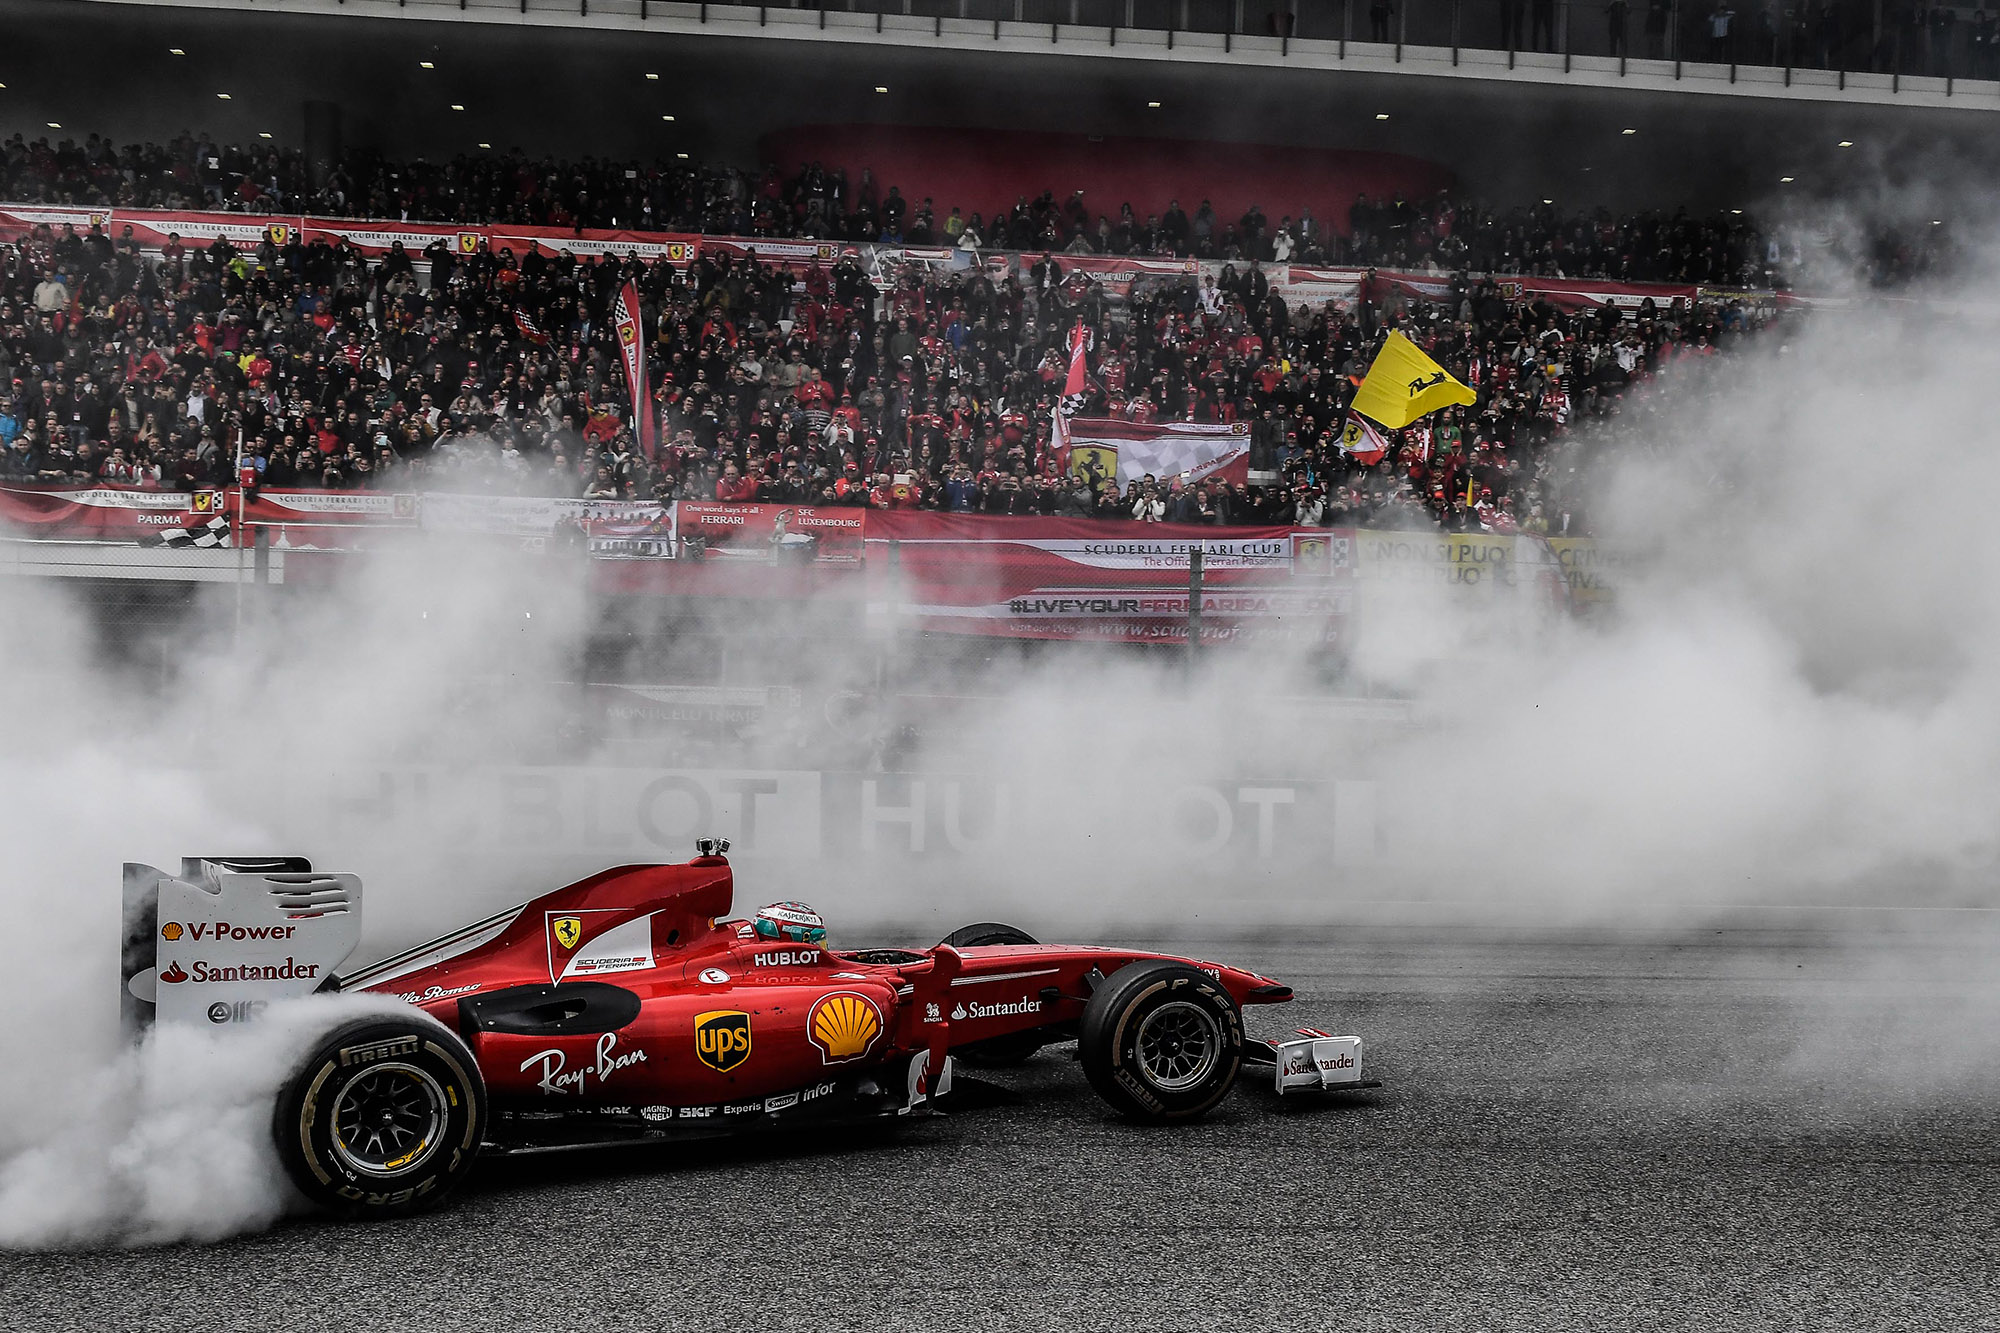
[1728, 1131]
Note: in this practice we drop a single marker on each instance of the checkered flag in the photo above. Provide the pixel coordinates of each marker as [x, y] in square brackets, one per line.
[1178, 451]
[213, 533]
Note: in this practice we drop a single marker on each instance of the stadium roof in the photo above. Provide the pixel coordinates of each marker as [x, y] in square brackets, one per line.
[1586, 137]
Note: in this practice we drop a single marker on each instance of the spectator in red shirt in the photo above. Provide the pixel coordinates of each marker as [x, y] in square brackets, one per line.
[735, 488]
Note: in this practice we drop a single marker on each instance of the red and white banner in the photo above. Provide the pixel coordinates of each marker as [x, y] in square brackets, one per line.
[101, 513]
[770, 251]
[1345, 286]
[154, 228]
[1129, 450]
[1085, 579]
[1116, 274]
[770, 533]
[1317, 286]
[615, 529]
[1364, 440]
[632, 351]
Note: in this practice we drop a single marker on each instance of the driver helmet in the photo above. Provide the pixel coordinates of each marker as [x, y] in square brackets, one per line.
[795, 922]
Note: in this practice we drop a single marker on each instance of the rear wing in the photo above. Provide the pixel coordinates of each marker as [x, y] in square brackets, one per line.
[228, 935]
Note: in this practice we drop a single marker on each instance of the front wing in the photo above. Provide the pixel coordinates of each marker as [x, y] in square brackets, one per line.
[1314, 1060]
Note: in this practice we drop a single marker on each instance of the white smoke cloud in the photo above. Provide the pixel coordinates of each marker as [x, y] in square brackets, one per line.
[1796, 701]
[171, 1141]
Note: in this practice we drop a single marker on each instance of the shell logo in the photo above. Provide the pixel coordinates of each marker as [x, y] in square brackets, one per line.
[843, 1026]
[171, 931]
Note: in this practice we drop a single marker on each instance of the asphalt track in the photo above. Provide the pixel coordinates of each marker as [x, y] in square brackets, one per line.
[1722, 1130]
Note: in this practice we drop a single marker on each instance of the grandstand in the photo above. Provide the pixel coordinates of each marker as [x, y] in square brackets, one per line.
[850, 314]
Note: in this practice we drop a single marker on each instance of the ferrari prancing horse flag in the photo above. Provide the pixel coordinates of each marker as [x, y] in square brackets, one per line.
[1404, 384]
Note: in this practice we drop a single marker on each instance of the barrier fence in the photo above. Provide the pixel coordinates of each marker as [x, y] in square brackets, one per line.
[1016, 577]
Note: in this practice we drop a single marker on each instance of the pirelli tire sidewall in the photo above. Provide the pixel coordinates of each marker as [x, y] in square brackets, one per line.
[303, 1123]
[1114, 1019]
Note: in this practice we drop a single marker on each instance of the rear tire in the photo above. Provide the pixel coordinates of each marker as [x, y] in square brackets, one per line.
[996, 1052]
[383, 1118]
[1162, 1041]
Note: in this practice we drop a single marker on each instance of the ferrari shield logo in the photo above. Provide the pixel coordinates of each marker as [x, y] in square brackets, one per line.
[1093, 462]
[468, 242]
[279, 232]
[627, 334]
[568, 930]
[722, 1039]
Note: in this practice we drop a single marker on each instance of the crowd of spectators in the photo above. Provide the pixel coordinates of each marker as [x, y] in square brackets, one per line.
[1441, 234]
[931, 388]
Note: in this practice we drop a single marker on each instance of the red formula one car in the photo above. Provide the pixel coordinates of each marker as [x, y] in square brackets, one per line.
[631, 1006]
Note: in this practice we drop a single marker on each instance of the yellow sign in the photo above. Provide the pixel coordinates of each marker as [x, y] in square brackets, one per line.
[1587, 569]
[568, 930]
[1096, 463]
[843, 1025]
[468, 242]
[722, 1039]
[1405, 384]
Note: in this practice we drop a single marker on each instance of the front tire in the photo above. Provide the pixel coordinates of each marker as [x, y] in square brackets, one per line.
[987, 932]
[383, 1118]
[1162, 1041]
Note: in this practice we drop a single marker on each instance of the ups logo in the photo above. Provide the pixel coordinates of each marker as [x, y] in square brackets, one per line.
[722, 1039]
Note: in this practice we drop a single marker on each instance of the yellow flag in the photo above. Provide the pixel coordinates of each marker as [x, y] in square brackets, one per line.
[1404, 384]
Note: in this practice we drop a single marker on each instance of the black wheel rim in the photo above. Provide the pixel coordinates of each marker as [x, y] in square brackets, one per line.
[388, 1119]
[1179, 1045]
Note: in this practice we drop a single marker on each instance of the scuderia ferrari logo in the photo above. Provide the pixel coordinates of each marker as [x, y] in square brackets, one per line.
[722, 1039]
[568, 930]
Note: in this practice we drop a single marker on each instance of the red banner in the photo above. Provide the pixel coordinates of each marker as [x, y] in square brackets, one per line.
[1086, 579]
[632, 351]
[121, 514]
[102, 513]
[770, 533]
[153, 228]
[1115, 273]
